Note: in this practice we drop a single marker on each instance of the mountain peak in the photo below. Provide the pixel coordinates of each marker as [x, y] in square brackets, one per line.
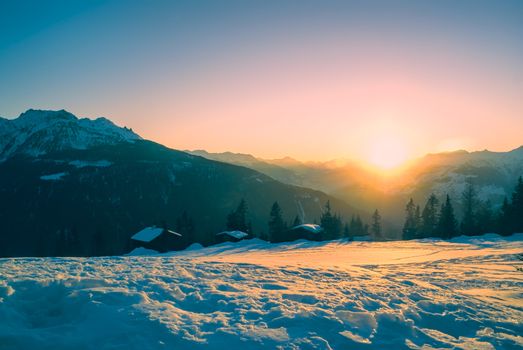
[36, 132]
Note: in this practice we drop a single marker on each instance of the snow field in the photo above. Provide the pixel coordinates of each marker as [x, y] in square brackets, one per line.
[465, 294]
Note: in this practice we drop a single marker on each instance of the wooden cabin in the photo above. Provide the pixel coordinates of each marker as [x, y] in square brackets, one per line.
[311, 232]
[159, 239]
[231, 236]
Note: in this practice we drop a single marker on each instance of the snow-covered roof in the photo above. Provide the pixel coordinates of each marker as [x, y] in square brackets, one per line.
[309, 227]
[150, 233]
[236, 234]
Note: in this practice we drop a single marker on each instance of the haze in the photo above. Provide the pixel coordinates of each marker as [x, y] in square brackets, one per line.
[380, 81]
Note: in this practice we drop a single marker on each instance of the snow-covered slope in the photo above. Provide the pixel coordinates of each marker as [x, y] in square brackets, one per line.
[463, 294]
[37, 132]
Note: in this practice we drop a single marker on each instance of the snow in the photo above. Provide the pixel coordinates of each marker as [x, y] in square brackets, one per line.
[37, 132]
[53, 177]
[427, 294]
[94, 163]
[142, 251]
[234, 234]
[309, 227]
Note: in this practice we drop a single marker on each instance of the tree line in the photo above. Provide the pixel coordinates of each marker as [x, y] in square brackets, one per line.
[478, 216]
[279, 230]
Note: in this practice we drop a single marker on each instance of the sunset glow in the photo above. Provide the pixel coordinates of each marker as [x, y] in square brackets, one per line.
[277, 79]
[387, 153]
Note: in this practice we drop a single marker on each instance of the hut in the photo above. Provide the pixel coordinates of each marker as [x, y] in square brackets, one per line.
[156, 238]
[312, 232]
[231, 236]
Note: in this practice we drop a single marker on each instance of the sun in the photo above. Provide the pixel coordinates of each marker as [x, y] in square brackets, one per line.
[387, 152]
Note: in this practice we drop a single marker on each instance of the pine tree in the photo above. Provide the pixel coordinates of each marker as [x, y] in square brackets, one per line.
[237, 219]
[516, 208]
[411, 225]
[346, 232]
[185, 227]
[99, 244]
[296, 221]
[447, 225]
[277, 227]
[485, 217]
[356, 227]
[469, 201]
[376, 225]
[429, 217]
[504, 219]
[418, 222]
[330, 223]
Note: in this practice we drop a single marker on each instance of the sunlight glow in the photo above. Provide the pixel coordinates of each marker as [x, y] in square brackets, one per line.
[387, 153]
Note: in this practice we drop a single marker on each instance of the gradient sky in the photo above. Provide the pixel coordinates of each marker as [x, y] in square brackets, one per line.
[308, 79]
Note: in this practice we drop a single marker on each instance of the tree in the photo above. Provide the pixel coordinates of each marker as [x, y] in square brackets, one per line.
[331, 224]
[356, 227]
[410, 227]
[510, 218]
[417, 219]
[447, 224]
[516, 208]
[237, 219]
[485, 217]
[429, 217]
[99, 243]
[469, 202]
[185, 227]
[347, 233]
[376, 225]
[296, 221]
[277, 227]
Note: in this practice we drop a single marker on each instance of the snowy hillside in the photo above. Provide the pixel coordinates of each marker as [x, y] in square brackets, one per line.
[463, 294]
[37, 132]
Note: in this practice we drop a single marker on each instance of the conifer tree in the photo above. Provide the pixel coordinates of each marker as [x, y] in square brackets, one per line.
[277, 227]
[447, 225]
[418, 222]
[346, 232]
[296, 221]
[237, 219]
[411, 225]
[504, 217]
[516, 208]
[429, 217]
[376, 225]
[330, 223]
[485, 217]
[185, 227]
[469, 202]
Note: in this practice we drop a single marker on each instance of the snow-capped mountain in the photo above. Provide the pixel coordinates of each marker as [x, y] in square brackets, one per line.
[81, 178]
[37, 132]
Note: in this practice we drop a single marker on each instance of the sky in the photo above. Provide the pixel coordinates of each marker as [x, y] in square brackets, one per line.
[380, 81]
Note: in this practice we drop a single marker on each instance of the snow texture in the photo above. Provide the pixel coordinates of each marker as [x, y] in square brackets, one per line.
[428, 294]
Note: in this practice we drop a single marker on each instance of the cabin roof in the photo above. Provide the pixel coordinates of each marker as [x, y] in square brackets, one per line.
[236, 234]
[150, 233]
[309, 227]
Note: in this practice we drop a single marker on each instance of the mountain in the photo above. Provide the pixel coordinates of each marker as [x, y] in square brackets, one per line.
[38, 132]
[92, 184]
[494, 175]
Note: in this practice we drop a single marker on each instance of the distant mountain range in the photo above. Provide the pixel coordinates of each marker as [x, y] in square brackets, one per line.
[493, 173]
[90, 181]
